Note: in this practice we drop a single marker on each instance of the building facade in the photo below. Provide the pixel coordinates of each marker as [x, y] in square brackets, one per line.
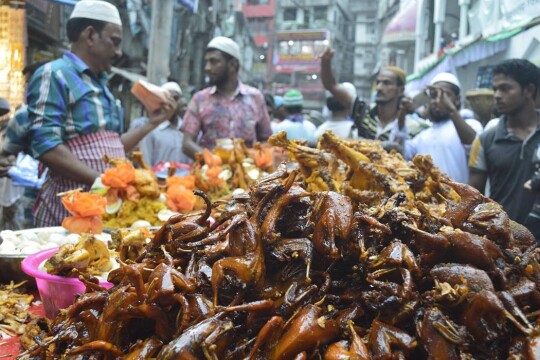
[469, 37]
[365, 45]
[303, 30]
[260, 17]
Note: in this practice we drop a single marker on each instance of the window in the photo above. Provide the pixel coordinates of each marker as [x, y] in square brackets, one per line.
[258, 25]
[370, 28]
[484, 77]
[289, 14]
[306, 19]
[319, 12]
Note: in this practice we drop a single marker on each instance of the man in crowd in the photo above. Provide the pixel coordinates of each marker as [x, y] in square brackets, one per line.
[165, 142]
[507, 151]
[279, 110]
[75, 118]
[450, 137]
[227, 109]
[340, 122]
[379, 120]
[296, 126]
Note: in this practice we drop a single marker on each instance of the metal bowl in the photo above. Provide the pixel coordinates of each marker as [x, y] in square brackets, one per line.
[10, 264]
[11, 270]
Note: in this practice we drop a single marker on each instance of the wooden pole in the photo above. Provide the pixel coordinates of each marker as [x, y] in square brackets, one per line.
[160, 41]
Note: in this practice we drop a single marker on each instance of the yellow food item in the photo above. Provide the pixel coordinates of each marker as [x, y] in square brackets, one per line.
[130, 211]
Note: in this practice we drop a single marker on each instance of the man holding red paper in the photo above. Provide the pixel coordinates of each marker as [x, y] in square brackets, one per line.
[75, 117]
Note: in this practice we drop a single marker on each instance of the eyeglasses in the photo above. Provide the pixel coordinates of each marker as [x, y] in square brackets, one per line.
[433, 93]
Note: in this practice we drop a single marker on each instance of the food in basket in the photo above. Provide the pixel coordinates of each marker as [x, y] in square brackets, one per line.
[89, 255]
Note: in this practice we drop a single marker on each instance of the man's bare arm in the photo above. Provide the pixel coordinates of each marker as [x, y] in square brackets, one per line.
[131, 138]
[478, 179]
[330, 83]
[190, 147]
[62, 161]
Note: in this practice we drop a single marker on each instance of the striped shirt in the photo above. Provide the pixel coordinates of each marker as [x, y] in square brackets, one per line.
[373, 129]
[66, 100]
[17, 139]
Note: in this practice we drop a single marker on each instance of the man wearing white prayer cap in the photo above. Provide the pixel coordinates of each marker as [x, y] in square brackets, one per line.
[226, 109]
[75, 117]
[449, 139]
[340, 122]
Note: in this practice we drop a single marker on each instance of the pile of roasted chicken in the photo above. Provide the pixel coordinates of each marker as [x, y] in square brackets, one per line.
[355, 254]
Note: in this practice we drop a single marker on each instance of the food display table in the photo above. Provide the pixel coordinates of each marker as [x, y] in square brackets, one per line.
[10, 348]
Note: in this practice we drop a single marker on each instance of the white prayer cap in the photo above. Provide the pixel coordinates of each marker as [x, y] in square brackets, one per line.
[226, 45]
[172, 86]
[97, 10]
[446, 77]
[351, 90]
[348, 87]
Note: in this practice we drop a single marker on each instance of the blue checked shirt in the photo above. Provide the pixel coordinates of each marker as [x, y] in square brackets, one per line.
[66, 100]
[17, 139]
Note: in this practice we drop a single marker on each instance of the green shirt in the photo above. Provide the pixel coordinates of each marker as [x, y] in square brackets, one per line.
[66, 100]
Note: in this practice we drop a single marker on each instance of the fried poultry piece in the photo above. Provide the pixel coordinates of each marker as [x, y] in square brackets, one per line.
[145, 180]
[319, 169]
[433, 185]
[366, 175]
[89, 255]
[332, 215]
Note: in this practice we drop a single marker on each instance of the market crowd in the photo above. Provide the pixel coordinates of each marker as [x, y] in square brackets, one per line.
[71, 119]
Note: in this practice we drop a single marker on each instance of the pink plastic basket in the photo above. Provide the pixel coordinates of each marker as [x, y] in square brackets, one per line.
[56, 292]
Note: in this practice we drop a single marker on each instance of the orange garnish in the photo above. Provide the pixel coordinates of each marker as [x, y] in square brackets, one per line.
[210, 159]
[187, 181]
[180, 199]
[264, 158]
[84, 204]
[87, 224]
[132, 193]
[119, 177]
[213, 172]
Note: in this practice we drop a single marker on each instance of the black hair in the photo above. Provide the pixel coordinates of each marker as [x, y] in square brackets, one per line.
[227, 57]
[294, 109]
[31, 68]
[521, 70]
[333, 105]
[75, 27]
[269, 99]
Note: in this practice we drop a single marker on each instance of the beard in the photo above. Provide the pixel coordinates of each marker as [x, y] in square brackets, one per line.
[437, 116]
[219, 79]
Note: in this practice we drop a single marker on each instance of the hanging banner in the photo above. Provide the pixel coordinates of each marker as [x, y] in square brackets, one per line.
[515, 12]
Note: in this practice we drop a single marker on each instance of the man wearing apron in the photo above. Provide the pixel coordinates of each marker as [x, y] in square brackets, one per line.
[75, 118]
